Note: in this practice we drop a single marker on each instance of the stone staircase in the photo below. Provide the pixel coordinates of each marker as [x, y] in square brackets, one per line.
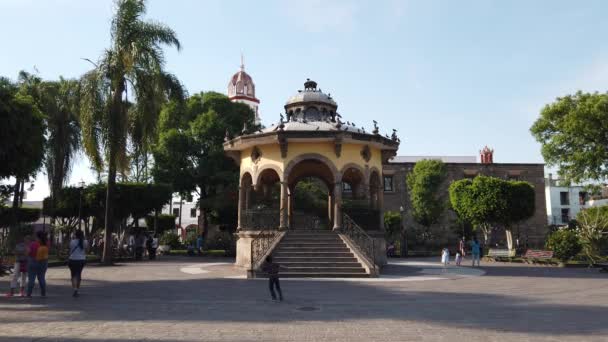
[316, 254]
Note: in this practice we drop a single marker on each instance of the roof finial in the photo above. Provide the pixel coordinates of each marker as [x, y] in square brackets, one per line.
[242, 63]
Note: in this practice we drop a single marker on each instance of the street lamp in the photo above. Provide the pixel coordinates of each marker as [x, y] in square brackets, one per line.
[403, 251]
[81, 187]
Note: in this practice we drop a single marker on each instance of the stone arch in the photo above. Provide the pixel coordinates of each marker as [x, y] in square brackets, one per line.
[265, 169]
[355, 176]
[336, 176]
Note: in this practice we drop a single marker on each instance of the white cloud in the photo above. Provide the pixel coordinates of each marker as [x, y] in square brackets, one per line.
[321, 15]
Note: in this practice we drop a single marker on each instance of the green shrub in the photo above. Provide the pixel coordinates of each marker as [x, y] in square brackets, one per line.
[170, 238]
[164, 222]
[565, 244]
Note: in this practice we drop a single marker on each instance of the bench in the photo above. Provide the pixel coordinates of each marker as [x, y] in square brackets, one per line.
[603, 266]
[6, 265]
[534, 256]
[495, 254]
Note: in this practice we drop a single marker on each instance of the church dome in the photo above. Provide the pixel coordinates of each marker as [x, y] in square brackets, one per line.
[241, 84]
[311, 104]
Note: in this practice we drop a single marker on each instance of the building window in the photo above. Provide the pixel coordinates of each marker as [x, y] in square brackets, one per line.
[193, 212]
[582, 197]
[388, 183]
[346, 187]
[565, 215]
[563, 198]
[175, 211]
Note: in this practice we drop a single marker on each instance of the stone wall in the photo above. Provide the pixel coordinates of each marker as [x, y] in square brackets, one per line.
[531, 232]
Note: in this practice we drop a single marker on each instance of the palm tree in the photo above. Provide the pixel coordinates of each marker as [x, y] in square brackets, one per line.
[129, 79]
[60, 103]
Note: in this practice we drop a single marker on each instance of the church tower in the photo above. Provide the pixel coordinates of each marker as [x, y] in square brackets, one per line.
[242, 89]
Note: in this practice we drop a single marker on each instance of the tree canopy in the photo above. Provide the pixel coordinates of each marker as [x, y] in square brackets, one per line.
[486, 201]
[22, 128]
[190, 154]
[122, 95]
[573, 132]
[424, 187]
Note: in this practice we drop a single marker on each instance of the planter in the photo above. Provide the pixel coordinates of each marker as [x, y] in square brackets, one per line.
[164, 249]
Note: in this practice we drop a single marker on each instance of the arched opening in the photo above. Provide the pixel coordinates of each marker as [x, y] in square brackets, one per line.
[311, 184]
[353, 184]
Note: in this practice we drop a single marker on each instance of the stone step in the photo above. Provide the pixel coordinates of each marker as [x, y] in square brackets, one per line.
[313, 249]
[290, 265]
[325, 270]
[289, 259]
[312, 244]
[312, 238]
[322, 275]
[310, 232]
[280, 254]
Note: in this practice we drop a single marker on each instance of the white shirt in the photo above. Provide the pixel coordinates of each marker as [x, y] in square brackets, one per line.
[77, 253]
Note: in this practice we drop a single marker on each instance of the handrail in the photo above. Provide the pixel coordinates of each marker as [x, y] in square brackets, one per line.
[362, 241]
[255, 219]
[261, 244]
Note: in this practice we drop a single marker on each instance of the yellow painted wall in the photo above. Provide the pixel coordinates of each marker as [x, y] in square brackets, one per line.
[271, 154]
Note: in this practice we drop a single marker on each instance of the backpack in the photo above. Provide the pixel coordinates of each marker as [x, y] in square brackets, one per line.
[42, 253]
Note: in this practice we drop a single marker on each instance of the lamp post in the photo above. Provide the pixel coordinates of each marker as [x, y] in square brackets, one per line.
[403, 251]
[81, 187]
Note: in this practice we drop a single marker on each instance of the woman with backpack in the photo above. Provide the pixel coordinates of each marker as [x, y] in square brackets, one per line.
[77, 259]
[37, 263]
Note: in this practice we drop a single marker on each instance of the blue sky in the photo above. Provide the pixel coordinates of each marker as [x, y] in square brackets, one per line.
[451, 76]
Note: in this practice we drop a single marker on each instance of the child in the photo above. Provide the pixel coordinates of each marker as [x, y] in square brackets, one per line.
[272, 270]
[458, 258]
[20, 269]
[445, 257]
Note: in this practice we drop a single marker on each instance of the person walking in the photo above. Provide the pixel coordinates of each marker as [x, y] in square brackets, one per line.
[272, 269]
[475, 251]
[77, 260]
[20, 269]
[445, 257]
[462, 247]
[37, 263]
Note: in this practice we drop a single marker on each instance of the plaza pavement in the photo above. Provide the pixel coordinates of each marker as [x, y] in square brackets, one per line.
[203, 299]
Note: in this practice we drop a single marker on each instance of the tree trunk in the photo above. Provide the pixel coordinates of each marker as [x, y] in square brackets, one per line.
[155, 222]
[16, 193]
[109, 217]
[509, 238]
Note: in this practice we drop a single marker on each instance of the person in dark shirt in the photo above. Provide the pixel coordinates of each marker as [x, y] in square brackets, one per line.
[272, 270]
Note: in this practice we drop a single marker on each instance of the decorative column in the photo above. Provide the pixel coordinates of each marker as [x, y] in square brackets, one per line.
[337, 199]
[240, 208]
[290, 204]
[283, 213]
[380, 205]
[330, 206]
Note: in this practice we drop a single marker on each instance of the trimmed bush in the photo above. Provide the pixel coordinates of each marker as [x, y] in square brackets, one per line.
[171, 239]
[565, 244]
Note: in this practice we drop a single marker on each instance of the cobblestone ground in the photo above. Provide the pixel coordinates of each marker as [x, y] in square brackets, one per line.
[183, 299]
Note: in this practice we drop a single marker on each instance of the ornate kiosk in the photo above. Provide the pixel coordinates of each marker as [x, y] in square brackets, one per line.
[311, 141]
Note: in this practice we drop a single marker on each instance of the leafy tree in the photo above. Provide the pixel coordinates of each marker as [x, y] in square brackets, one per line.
[593, 231]
[520, 206]
[163, 222]
[133, 65]
[21, 136]
[59, 100]
[392, 225]
[424, 187]
[486, 201]
[564, 243]
[573, 132]
[190, 154]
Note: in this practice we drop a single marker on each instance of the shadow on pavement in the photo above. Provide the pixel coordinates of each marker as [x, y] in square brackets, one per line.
[240, 300]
